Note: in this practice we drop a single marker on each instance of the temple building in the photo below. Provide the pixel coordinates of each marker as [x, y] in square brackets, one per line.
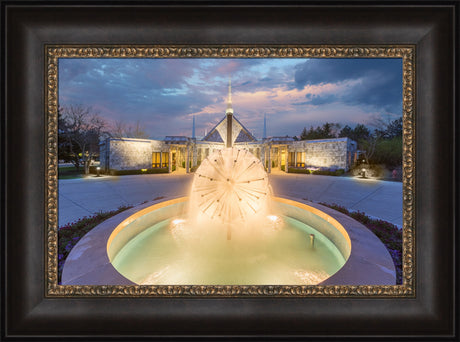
[174, 152]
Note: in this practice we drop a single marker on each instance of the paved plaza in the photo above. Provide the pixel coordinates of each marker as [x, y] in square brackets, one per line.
[87, 196]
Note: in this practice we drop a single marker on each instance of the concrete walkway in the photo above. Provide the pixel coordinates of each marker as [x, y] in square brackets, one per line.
[87, 196]
[380, 199]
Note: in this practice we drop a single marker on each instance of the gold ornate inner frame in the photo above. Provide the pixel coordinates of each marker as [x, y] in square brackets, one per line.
[54, 52]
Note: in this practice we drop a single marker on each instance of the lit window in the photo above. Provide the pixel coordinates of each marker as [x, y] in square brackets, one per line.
[156, 156]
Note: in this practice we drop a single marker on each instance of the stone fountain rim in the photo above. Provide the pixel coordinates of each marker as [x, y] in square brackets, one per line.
[369, 262]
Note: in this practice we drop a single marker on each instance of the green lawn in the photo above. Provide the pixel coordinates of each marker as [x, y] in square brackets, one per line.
[70, 172]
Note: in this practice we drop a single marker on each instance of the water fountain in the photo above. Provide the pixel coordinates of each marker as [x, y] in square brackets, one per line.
[230, 231]
[231, 188]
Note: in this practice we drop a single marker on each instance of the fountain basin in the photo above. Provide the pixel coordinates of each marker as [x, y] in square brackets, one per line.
[365, 260]
[146, 249]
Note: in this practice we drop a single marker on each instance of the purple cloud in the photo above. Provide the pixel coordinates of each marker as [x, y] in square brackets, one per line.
[164, 94]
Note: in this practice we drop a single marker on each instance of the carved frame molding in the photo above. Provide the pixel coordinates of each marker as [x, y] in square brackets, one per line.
[54, 52]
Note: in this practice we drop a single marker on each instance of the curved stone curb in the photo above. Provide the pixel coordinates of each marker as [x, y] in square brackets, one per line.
[369, 263]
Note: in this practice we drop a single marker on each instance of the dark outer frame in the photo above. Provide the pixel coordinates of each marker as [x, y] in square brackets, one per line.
[28, 26]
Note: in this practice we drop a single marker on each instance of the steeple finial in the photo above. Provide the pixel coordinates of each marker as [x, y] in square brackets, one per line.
[265, 127]
[229, 103]
[193, 128]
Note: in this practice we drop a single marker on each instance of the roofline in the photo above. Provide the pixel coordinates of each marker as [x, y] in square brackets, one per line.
[325, 140]
[250, 134]
[234, 118]
[132, 139]
[213, 129]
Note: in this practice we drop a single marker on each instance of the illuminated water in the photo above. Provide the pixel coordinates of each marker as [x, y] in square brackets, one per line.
[284, 256]
[230, 235]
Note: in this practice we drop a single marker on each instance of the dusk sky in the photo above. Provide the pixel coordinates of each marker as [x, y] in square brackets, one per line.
[165, 94]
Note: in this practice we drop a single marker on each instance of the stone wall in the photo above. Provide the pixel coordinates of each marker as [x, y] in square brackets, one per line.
[326, 153]
[133, 154]
[103, 155]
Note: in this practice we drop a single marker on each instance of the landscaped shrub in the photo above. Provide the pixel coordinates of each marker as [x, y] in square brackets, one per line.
[70, 172]
[337, 172]
[71, 233]
[388, 233]
[93, 169]
[372, 170]
[139, 172]
[283, 168]
[295, 170]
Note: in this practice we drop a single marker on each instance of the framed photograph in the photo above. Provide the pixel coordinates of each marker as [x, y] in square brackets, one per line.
[237, 225]
[269, 168]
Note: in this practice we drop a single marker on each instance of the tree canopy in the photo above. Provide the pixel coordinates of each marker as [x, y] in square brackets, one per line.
[80, 130]
[382, 145]
[326, 131]
[359, 133]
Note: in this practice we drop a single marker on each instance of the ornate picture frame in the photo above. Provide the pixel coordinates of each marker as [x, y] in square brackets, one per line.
[34, 306]
[406, 53]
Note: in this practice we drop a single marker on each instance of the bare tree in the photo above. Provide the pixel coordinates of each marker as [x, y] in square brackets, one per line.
[122, 130]
[82, 128]
[335, 129]
[369, 144]
[119, 129]
[386, 125]
[137, 131]
[385, 129]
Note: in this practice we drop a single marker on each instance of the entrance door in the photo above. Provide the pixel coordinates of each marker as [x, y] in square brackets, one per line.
[283, 158]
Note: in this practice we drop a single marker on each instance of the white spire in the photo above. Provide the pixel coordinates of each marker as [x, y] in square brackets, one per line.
[265, 127]
[229, 103]
[193, 128]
